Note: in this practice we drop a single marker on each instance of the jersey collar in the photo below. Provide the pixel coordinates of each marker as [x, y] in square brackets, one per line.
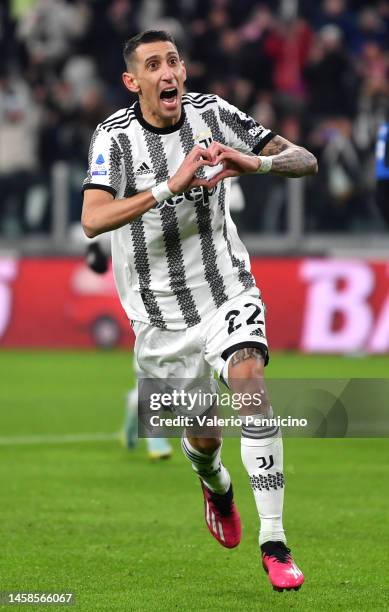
[157, 130]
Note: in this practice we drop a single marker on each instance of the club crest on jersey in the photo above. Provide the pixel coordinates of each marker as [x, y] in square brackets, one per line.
[194, 195]
[204, 138]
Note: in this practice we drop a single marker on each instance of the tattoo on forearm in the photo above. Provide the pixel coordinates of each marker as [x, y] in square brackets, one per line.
[244, 354]
[290, 160]
[294, 163]
[276, 145]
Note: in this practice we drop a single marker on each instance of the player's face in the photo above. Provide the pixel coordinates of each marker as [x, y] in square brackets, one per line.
[158, 78]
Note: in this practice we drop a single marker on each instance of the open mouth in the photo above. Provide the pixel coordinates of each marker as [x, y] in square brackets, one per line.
[169, 97]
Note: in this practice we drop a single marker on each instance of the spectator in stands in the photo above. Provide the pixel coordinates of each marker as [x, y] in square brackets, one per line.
[330, 76]
[336, 202]
[18, 152]
[289, 45]
[336, 13]
[326, 61]
[50, 28]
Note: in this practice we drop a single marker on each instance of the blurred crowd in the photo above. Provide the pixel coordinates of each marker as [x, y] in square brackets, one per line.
[315, 72]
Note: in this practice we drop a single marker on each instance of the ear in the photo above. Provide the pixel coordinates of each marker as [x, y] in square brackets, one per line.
[130, 82]
[183, 69]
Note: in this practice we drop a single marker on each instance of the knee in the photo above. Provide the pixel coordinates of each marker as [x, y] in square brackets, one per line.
[246, 363]
[246, 376]
[205, 445]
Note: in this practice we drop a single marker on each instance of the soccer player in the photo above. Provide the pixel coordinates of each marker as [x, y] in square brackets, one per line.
[181, 271]
[157, 448]
[382, 171]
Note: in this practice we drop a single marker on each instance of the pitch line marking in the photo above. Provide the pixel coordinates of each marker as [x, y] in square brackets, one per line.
[57, 439]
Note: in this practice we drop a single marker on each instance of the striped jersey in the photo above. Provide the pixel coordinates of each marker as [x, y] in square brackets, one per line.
[183, 257]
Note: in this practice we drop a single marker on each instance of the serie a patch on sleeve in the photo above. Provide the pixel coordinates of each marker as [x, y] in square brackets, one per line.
[99, 169]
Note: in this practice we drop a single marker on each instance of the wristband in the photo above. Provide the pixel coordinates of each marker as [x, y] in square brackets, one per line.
[266, 164]
[161, 192]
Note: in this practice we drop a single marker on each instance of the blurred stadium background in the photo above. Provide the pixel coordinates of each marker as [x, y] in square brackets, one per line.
[315, 72]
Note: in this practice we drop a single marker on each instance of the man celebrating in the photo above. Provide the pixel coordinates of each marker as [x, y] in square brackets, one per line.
[159, 175]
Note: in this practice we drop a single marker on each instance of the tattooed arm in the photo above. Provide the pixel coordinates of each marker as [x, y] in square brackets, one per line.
[289, 159]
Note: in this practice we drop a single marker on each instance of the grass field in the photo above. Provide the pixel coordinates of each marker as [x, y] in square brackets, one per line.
[126, 534]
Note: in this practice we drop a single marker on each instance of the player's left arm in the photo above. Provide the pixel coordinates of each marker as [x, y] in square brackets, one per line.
[288, 159]
[247, 147]
[278, 156]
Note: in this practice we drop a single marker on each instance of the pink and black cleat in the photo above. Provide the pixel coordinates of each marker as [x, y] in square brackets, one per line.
[222, 517]
[278, 564]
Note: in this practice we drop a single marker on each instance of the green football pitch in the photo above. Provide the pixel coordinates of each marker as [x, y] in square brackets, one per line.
[81, 514]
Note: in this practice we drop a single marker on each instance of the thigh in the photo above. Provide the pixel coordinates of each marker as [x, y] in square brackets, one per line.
[161, 353]
[239, 323]
[173, 361]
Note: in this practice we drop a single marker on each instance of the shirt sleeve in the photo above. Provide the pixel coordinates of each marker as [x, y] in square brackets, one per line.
[240, 130]
[105, 161]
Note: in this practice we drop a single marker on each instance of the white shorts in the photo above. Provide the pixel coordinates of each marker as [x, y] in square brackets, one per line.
[197, 352]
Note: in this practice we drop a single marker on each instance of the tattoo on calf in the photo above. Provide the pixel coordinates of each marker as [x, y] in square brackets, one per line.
[244, 354]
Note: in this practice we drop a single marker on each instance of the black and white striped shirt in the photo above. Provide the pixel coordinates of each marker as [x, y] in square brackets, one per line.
[182, 258]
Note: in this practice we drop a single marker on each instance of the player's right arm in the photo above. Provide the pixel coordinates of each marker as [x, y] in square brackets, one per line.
[102, 213]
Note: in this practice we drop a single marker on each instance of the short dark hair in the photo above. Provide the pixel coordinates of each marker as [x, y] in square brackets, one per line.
[149, 36]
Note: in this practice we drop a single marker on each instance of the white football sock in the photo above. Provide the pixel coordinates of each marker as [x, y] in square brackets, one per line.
[263, 460]
[209, 467]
